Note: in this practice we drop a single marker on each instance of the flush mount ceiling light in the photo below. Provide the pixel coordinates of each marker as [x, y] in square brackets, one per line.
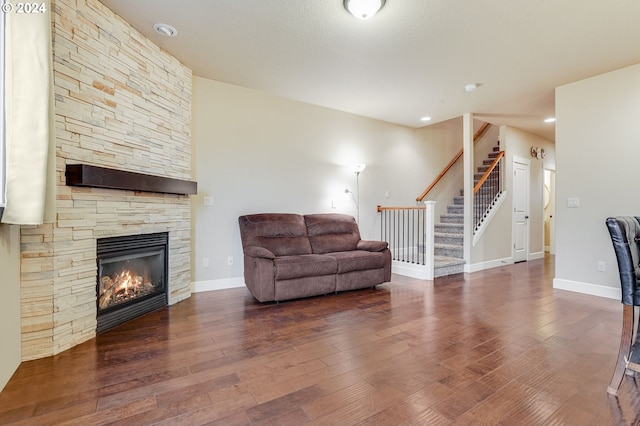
[425, 118]
[165, 30]
[363, 9]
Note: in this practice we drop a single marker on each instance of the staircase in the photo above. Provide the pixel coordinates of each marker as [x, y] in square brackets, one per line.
[449, 233]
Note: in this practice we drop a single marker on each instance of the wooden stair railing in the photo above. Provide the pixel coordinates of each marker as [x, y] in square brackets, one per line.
[491, 180]
[486, 174]
[389, 208]
[477, 135]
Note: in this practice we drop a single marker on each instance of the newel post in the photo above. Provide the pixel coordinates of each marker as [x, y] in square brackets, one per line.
[429, 235]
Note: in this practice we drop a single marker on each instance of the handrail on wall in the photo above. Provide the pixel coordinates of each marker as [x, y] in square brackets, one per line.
[479, 133]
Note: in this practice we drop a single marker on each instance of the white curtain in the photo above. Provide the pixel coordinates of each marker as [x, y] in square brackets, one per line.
[30, 145]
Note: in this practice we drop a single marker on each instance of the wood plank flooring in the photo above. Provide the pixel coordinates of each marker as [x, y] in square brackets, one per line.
[498, 347]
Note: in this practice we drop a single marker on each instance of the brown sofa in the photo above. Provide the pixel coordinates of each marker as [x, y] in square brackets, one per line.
[288, 256]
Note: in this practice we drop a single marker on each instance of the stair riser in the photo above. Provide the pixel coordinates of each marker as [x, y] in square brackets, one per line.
[448, 239]
[452, 218]
[451, 229]
[447, 270]
[448, 251]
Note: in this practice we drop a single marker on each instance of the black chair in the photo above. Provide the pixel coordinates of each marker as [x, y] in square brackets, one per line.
[625, 236]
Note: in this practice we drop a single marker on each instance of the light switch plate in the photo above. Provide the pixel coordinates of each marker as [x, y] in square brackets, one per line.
[573, 202]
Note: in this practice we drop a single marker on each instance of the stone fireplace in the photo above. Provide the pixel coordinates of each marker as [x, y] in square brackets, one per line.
[120, 103]
[132, 277]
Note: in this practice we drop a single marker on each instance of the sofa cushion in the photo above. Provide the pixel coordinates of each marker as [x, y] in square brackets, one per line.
[306, 265]
[283, 234]
[358, 260]
[331, 232]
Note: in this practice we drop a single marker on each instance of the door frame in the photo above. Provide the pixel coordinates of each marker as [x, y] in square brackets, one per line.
[552, 209]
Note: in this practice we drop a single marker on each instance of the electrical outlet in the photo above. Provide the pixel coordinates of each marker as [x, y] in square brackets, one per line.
[205, 262]
[208, 201]
[230, 260]
[601, 266]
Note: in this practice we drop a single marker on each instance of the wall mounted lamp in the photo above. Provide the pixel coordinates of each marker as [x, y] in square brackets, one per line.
[363, 9]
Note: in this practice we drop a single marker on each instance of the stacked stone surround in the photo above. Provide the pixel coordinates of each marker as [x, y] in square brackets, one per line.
[123, 103]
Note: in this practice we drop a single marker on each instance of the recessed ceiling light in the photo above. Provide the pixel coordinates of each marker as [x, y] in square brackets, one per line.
[425, 118]
[550, 120]
[165, 30]
[471, 87]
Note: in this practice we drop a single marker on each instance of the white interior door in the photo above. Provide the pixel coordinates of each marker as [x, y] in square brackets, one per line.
[552, 219]
[520, 210]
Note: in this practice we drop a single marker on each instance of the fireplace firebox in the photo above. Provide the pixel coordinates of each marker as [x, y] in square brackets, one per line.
[132, 277]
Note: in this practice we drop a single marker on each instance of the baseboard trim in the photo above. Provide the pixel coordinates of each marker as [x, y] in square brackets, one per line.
[535, 256]
[221, 284]
[587, 288]
[488, 265]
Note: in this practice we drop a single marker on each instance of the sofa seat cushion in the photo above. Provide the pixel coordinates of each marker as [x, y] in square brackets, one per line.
[358, 260]
[306, 265]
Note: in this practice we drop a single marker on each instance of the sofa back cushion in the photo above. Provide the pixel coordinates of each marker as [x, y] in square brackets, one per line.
[284, 234]
[332, 232]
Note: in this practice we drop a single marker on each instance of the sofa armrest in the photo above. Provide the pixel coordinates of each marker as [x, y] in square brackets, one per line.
[372, 245]
[255, 251]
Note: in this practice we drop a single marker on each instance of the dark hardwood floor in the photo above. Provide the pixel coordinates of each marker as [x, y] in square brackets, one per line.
[495, 347]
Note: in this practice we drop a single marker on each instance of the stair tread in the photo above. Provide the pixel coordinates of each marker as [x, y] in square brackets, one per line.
[447, 246]
[446, 234]
[448, 259]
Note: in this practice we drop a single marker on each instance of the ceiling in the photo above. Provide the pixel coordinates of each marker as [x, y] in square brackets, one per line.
[411, 60]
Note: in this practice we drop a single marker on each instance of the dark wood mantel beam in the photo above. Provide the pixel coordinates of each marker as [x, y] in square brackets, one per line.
[102, 177]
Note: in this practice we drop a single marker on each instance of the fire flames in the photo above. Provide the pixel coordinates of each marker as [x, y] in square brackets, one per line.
[119, 288]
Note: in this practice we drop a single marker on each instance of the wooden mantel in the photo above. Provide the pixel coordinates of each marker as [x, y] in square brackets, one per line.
[102, 177]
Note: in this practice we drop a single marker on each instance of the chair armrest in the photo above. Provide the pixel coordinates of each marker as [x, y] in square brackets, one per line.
[372, 245]
[255, 251]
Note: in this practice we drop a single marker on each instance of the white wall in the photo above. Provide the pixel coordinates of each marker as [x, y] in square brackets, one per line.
[598, 145]
[9, 302]
[445, 139]
[254, 152]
